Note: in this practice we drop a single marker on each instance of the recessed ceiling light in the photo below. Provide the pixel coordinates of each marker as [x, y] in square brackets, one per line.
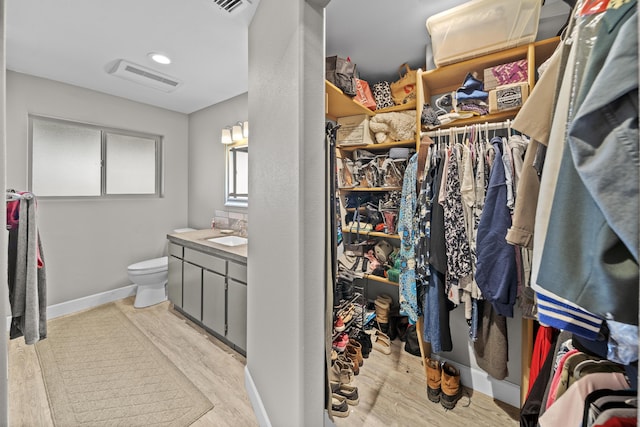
[160, 58]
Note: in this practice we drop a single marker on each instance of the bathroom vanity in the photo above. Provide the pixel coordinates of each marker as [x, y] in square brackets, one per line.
[208, 284]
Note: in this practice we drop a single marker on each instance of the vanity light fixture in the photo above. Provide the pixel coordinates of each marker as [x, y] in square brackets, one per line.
[226, 136]
[160, 58]
[234, 133]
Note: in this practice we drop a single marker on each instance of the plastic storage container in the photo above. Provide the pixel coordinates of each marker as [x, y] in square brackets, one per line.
[481, 27]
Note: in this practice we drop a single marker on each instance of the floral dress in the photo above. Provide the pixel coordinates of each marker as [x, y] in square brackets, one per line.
[407, 228]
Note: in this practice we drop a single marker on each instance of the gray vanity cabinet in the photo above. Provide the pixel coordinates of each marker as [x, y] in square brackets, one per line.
[237, 304]
[174, 283]
[213, 301]
[212, 291]
[192, 290]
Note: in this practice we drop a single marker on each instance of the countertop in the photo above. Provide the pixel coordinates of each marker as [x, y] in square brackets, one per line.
[198, 240]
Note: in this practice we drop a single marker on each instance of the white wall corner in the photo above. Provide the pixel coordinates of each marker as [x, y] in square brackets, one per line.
[256, 401]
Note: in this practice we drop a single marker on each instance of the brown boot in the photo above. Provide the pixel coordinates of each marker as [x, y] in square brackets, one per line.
[434, 377]
[354, 349]
[383, 305]
[451, 388]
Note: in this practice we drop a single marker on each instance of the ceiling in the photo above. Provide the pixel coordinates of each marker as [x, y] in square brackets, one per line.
[380, 35]
[79, 41]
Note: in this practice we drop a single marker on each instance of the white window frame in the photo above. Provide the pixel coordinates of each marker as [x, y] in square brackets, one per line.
[231, 197]
[104, 130]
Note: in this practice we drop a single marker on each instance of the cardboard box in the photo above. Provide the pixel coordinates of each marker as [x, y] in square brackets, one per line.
[354, 130]
[504, 74]
[508, 97]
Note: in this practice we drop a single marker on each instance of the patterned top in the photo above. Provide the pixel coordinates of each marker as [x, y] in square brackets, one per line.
[407, 228]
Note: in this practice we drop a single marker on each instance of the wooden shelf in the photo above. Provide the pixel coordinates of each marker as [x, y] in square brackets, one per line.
[411, 143]
[402, 107]
[371, 189]
[372, 233]
[489, 118]
[380, 279]
[340, 105]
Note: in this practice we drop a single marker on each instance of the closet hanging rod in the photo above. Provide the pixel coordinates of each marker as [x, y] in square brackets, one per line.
[467, 128]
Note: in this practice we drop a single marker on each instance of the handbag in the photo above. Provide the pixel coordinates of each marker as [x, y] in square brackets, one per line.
[364, 95]
[342, 73]
[404, 90]
[382, 95]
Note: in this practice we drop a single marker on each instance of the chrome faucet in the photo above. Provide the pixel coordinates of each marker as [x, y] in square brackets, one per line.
[241, 227]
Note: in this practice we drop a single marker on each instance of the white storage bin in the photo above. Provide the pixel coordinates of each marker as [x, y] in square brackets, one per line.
[481, 27]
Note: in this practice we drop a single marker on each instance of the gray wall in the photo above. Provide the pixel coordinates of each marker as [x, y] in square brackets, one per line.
[285, 336]
[88, 244]
[207, 158]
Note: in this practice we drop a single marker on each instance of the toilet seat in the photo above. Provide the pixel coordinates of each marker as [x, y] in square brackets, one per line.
[149, 266]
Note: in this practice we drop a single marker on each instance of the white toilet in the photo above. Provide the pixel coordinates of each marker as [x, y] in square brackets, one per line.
[151, 278]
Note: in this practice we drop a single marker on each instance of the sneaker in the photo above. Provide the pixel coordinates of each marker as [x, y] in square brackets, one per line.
[349, 392]
[340, 343]
[339, 325]
[339, 406]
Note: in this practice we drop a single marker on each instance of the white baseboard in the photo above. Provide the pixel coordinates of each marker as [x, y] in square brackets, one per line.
[256, 401]
[481, 381]
[87, 302]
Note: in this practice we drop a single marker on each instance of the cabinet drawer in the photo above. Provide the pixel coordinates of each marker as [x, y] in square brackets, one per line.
[238, 272]
[175, 250]
[209, 262]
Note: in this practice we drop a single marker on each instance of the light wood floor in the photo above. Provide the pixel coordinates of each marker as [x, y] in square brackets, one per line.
[393, 392]
[392, 388]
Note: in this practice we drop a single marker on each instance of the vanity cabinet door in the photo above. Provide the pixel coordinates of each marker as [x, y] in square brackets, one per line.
[174, 283]
[192, 290]
[213, 301]
[237, 313]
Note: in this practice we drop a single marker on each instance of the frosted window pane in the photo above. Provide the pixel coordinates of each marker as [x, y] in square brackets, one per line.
[66, 159]
[131, 165]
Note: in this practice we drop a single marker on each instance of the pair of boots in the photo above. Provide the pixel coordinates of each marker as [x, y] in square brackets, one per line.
[443, 383]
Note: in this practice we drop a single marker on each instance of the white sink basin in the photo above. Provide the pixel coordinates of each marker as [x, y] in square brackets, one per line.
[230, 240]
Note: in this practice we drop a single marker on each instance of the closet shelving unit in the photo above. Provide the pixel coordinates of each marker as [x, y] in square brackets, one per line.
[433, 83]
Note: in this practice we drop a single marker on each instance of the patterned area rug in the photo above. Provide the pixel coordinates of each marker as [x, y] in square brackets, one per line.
[99, 369]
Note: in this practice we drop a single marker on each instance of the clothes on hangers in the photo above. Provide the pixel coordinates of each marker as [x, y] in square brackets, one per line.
[610, 260]
[26, 277]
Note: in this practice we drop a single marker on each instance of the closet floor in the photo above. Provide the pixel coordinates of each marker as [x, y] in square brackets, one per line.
[214, 368]
[393, 392]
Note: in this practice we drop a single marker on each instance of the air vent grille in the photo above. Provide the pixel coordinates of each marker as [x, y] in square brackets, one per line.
[229, 5]
[144, 76]
[148, 75]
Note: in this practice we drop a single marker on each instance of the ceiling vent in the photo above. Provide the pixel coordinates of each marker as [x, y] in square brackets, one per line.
[144, 76]
[231, 5]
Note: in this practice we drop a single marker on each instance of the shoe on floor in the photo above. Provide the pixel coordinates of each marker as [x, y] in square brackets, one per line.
[339, 406]
[380, 342]
[347, 391]
[434, 377]
[451, 388]
[341, 372]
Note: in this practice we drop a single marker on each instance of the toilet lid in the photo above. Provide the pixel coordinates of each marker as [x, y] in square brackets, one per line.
[150, 264]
